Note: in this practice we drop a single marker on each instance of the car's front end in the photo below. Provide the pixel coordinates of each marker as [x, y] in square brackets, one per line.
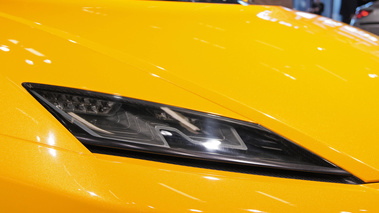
[150, 106]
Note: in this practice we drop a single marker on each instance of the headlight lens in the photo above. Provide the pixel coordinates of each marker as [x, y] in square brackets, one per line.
[116, 122]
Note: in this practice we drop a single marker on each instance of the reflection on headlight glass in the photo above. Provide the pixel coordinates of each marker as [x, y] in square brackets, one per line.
[125, 123]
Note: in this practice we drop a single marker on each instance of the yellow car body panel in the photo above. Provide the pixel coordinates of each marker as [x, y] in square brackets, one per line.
[307, 78]
[52, 179]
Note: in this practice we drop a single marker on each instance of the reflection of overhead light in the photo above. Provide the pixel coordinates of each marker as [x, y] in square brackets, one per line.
[13, 41]
[373, 75]
[51, 139]
[275, 198]
[211, 178]
[265, 15]
[212, 144]
[92, 193]
[269, 116]
[161, 68]
[254, 210]
[47, 61]
[37, 23]
[179, 117]
[350, 29]
[72, 41]
[4, 48]
[179, 192]
[359, 33]
[329, 22]
[306, 15]
[291, 77]
[52, 152]
[330, 72]
[35, 52]
[270, 45]
[166, 133]
[195, 210]
[29, 62]
[87, 9]
[320, 48]
[221, 47]
[151, 207]
[285, 23]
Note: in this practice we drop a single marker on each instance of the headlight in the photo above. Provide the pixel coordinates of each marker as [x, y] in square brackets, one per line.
[121, 123]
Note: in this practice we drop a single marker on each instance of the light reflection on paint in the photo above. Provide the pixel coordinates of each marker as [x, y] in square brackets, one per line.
[92, 10]
[52, 152]
[35, 52]
[92, 193]
[26, 114]
[51, 139]
[275, 198]
[330, 72]
[360, 34]
[254, 210]
[211, 178]
[285, 23]
[160, 68]
[4, 48]
[29, 62]
[157, 76]
[13, 41]
[306, 15]
[329, 22]
[180, 192]
[289, 76]
[265, 15]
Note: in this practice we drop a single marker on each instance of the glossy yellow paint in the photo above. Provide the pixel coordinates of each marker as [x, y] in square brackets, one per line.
[59, 180]
[308, 78]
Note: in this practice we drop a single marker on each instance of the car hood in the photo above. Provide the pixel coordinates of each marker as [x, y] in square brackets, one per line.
[311, 79]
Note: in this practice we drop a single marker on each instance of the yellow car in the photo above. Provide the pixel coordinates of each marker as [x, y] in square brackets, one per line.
[161, 106]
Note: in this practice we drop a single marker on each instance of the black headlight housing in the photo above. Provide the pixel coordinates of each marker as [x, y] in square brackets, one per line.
[114, 124]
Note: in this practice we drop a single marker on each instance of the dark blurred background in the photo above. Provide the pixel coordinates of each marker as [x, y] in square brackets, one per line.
[340, 10]
[332, 8]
